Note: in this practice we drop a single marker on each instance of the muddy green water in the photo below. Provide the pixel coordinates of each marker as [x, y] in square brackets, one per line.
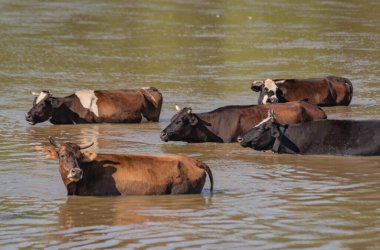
[202, 54]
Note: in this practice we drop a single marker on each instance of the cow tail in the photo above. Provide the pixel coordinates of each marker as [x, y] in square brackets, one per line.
[351, 89]
[209, 173]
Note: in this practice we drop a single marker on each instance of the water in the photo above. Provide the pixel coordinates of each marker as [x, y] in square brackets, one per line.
[202, 54]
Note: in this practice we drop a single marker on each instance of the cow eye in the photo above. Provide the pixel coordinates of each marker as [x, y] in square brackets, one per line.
[178, 122]
[266, 89]
[62, 156]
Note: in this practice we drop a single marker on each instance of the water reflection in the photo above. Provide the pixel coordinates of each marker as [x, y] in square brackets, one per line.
[202, 54]
[91, 211]
[106, 137]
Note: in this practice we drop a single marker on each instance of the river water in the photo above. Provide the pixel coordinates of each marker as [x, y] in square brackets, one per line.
[202, 54]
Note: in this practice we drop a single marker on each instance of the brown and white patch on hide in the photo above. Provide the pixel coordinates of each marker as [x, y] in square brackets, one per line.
[88, 100]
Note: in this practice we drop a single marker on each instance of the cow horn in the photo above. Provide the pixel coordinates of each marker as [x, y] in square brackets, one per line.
[177, 108]
[189, 110]
[35, 93]
[86, 146]
[279, 81]
[53, 142]
[257, 82]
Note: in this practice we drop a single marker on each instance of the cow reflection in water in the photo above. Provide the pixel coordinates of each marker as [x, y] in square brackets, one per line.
[76, 212]
[125, 174]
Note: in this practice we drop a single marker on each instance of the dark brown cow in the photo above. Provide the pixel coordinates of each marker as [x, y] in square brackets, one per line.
[97, 106]
[328, 91]
[127, 174]
[227, 123]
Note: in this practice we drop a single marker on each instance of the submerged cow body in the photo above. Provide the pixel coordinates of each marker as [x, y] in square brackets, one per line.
[328, 91]
[335, 137]
[97, 106]
[127, 174]
[227, 123]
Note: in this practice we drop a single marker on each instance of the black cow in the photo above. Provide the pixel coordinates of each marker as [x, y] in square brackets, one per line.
[335, 137]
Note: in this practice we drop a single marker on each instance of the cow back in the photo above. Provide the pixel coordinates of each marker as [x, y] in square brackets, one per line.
[141, 174]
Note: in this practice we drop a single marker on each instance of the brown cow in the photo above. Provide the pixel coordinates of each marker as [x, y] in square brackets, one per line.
[328, 91]
[227, 123]
[97, 106]
[127, 174]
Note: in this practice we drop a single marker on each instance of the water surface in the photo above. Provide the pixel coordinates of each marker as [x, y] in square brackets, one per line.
[202, 54]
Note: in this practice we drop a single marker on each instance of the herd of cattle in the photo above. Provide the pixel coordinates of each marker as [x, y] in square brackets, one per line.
[288, 119]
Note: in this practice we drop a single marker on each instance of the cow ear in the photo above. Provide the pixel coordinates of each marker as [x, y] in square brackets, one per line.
[55, 103]
[88, 156]
[256, 88]
[193, 120]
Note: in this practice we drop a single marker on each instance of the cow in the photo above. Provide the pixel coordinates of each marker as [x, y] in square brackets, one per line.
[333, 137]
[328, 91]
[91, 174]
[225, 124]
[97, 106]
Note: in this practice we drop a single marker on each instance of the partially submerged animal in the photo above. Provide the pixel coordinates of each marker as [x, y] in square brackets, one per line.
[128, 174]
[335, 137]
[227, 123]
[328, 91]
[97, 106]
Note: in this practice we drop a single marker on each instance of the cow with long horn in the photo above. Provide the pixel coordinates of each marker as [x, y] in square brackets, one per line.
[127, 174]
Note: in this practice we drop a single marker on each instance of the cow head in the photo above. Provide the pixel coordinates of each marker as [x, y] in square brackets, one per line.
[42, 109]
[269, 91]
[263, 135]
[181, 125]
[69, 155]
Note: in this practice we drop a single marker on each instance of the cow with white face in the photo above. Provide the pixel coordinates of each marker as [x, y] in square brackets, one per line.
[268, 91]
[328, 91]
[97, 106]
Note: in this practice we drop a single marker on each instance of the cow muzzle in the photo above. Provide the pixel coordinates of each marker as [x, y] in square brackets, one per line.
[273, 99]
[29, 119]
[242, 142]
[75, 174]
[164, 136]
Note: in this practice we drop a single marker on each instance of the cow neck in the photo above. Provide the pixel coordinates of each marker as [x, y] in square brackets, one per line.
[72, 188]
[63, 114]
[203, 130]
[283, 144]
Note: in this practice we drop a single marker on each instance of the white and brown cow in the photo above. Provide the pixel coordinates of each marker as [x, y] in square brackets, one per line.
[327, 91]
[97, 106]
